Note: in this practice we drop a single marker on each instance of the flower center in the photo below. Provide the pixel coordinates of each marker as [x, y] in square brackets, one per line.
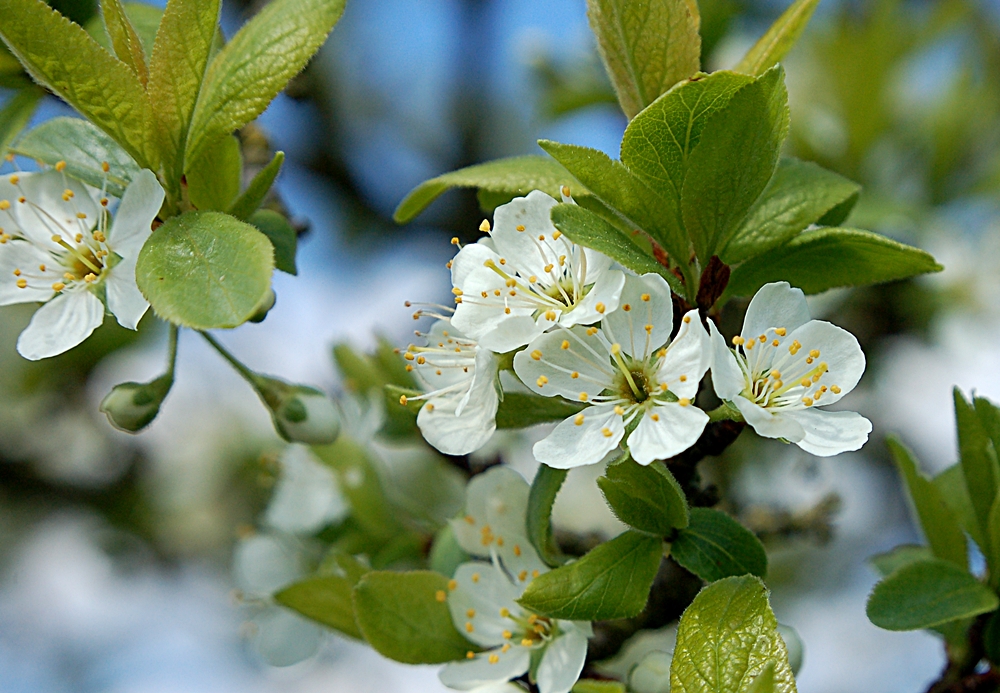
[775, 374]
[633, 380]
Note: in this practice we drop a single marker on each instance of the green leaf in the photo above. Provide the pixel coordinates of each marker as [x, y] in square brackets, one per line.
[145, 19]
[951, 484]
[937, 520]
[176, 70]
[646, 498]
[928, 593]
[612, 581]
[327, 599]
[124, 39]
[587, 229]
[446, 553]
[727, 639]
[516, 176]
[891, 561]
[799, 194]
[205, 270]
[544, 489]
[84, 148]
[61, 56]
[401, 617]
[989, 416]
[979, 464]
[214, 180]
[16, 113]
[733, 162]
[247, 203]
[523, 409]
[646, 47]
[255, 65]
[827, 258]
[282, 235]
[779, 39]
[715, 546]
[764, 682]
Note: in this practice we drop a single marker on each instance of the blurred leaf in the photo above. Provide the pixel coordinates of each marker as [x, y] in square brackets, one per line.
[595, 686]
[255, 65]
[905, 554]
[779, 39]
[205, 270]
[401, 617]
[951, 484]
[327, 599]
[124, 39]
[727, 638]
[647, 47]
[214, 180]
[515, 176]
[647, 498]
[282, 236]
[715, 546]
[799, 194]
[392, 364]
[145, 20]
[611, 581]
[16, 113]
[84, 148]
[544, 489]
[824, 259]
[247, 203]
[446, 554]
[62, 56]
[523, 409]
[979, 464]
[928, 593]
[946, 539]
[733, 162]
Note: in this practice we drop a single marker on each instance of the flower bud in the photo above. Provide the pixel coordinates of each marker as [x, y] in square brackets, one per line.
[301, 414]
[651, 674]
[266, 304]
[133, 406]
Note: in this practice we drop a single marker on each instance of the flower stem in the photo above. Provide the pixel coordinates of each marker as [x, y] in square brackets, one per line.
[725, 412]
[248, 374]
[172, 352]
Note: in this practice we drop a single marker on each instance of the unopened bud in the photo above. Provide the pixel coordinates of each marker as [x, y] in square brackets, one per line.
[133, 406]
[301, 414]
[265, 306]
[651, 674]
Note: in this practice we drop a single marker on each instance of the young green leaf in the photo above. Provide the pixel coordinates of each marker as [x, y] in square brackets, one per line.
[544, 489]
[510, 177]
[124, 39]
[145, 19]
[327, 599]
[16, 113]
[989, 416]
[612, 581]
[247, 203]
[205, 270]
[979, 463]
[646, 47]
[646, 498]
[937, 520]
[61, 56]
[904, 554]
[733, 162]
[714, 546]
[255, 65]
[928, 593]
[764, 681]
[824, 259]
[951, 484]
[799, 194]
[214, 180]
[403, 617]
[446, 553]
[84, 148]
[779, 39]
[282, 235]
[727, 639]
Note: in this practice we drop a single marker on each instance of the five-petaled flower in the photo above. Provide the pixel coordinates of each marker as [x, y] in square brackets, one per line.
[627, 375]
[482, 597]
[527, 277]
[59, 246]
[784, 366]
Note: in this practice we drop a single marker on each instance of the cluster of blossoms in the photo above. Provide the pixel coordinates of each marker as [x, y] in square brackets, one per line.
[604, 338]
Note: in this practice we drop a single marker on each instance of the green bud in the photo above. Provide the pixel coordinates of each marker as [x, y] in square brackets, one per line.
[266, 304]
[133, 406]
[794, 645]
[301, 414]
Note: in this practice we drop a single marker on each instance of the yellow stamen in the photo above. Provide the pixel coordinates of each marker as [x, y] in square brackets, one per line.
[684, 401]
[599, 308]
[441, 596]
[485, 226]
[578, 419]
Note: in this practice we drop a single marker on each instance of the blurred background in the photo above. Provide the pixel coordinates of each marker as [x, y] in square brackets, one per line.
[135, 564]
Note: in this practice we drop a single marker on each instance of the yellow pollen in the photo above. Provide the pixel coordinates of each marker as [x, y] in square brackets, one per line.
[654, 417]
[778, 384]
[541, 238]
[60, 165]
[645, 297]
[517, 549]
[835, 389]
[780, 331]
[814, 353]
[565, 191]
[14, 180]
[440, 595]
[485, 226]
[499, 541]
[471, 613]
[520, 227]
[523, 575]
[532, 279]
[532, 619]
[762, 338]
[550, 315]
[527, 642]
[606, 432]
[99, 237]
[816, 378]
[574, 375]
[649, 329]
[626, 307]
[484, 294]
[663, 387]
[541, 381]
[4, 205]
[683, 378]
[661, 353]
[809, 359]
[537, 355]
[453, 585]
[506, 311]
[22, 283]
[17, 272]
[556, 235]
[402, 400]
[503, 261]
[458, 299]
[504, 612]
[584, 396]
[817, 395]
[548, 267]
[104, 203]
[470, 655]
[454, 240]
[619, 410]
[823, 388]
[68, 194]
[408, 356]
[562, 260]
[505, 647]
[565, 344]
[421, 360]
[22, 199]
[687, 319]
[475, 577]
[457, 292]
[534, 573]
[684, 401]
[807, 401]
[58, 286]
[737, 340]
[430, 407]
[578, 419]
[749, 345]
[776, 374]
[105, 167]
[805, 382]
[447, 265]
[409, 368]
[591, 331]
[78, 237]
[599, 308]
[775, 343]
[469, 627]
[90, 278]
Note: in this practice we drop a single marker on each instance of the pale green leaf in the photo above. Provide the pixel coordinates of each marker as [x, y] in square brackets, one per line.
[282, 235]
[891, 561]
[516, 176]
[401, 617]
[327, 599]
[612, 581]
[251, 198]
[63, 57]
[446, 553]
[727, 639]
[544, 489]
[799, 194]
[145, 19]
[779, 39]
[256, 65]
[928, 593]
[16, 113]
[647, 47]
[214, 180]
[979, 463]
[523, 409]
[824, 259]
[715, 546]
[205, 270]
[124, 39]
[647, 498]
[951, 484]
[764, 683]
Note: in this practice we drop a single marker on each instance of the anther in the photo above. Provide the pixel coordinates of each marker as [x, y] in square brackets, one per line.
[532, 279]
[687, 319]
[58, 286]
[60, 165]
[454, 241]
[4, 205]
[556, 235]
[645, 297]
[507, 635]
[421, 360]
[574, 375]
[565, 191]
[504, 611]
[620, 410]
[591, 331]
[606, 432]
[523, 575]
[565, 344]
[542, 380]
[550, 315]
[780, 331]
[584, 397]
[737, 340]
[105, 167]
[22, 283]
[835, 389]
[441, 596]
[599, 308]
[536, 355]
[90, 278]
[683, 378]
[520, 228]
[453, 585]
[469, 627]
[762, 338]
[402, 400]
[626, 307]
[776, 374]
[475, 577]
[649, 329]
[684, 401]
[548, 267]
[517, 549]
[654, 417]
[470, 655]
[807, 401]
[578, 420]
[814, 353]
[541, 237]
[485, 226]
[505, 647]
[775, 343]
[471, 613]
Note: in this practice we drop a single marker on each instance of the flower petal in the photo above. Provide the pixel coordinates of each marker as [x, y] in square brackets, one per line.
[25, 257]
[482, 591]
[455, 432]
[524, 249]
[133, 220]
[675, 429]
[307, 495]
[125, 300]
[769, 423]
[45, 213]
[829, 433]
[644, 301]
[775, 305]
[575, 445]
[470, 258]
[727, 376]
[473, 673]
[605, 292]
[839, 350]
[687, 358]
[60, 325]
[562, 662]
[548, 364]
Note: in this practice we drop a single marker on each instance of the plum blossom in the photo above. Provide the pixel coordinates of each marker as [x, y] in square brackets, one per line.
[626, 373]
[527, 277]
[786, 365]
[60, 246]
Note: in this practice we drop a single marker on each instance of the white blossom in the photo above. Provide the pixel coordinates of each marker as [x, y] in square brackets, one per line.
[626, 374]
[60, 247]
[784, 366]
[527, 278]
